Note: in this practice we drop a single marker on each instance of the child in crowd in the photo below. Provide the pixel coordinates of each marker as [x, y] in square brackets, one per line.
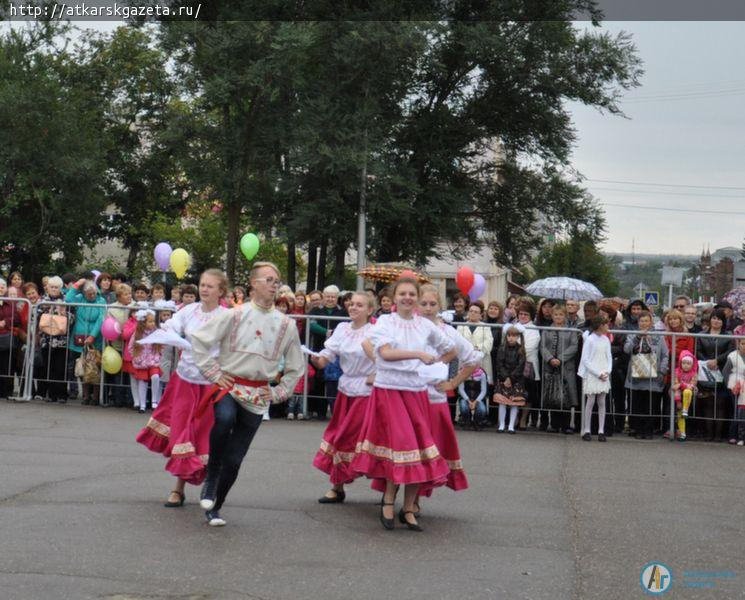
[176, 295]
[168, 354]
[189, 294]
[145, 359]
[472, 393]
[239, 296]
[141, 292]
[295, 404]
[128, 331]
[158, 292]
[385, 301]
[510, 376]
[686, 378]
[595, 369]
[735, 371]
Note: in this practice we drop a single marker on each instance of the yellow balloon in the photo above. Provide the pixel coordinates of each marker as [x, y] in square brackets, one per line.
[111, 360]
[180, 262]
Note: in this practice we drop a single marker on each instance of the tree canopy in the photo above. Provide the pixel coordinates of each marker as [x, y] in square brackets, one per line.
[455, 129]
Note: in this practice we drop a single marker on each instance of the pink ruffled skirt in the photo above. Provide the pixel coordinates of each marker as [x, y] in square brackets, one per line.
[336, 453]
[396, 443]
[175, 431]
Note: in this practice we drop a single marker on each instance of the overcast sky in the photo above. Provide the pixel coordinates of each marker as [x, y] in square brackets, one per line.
[685, 128]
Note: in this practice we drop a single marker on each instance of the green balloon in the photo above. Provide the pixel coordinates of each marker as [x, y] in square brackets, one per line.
[249, 246]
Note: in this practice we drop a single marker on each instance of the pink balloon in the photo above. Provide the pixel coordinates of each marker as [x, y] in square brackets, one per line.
[478, 288]
[111, 329]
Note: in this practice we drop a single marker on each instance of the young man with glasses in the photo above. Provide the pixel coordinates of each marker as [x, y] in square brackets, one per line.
[252, 339]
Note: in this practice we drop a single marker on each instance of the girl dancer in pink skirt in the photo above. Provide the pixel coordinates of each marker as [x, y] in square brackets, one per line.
[396, 441]
[174, 429]
[469, 360]
[348, 342]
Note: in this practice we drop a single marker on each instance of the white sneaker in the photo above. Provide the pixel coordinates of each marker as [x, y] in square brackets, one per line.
[214, 519]
[155, 406]
[741, 443]
[684, 413]
[290, 417]
[265, 417]
[300, 416]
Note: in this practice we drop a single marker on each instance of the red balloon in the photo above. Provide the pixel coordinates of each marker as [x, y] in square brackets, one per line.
[464, 279]
[407, 273]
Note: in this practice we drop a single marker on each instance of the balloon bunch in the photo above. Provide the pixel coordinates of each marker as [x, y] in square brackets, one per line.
[178, 259]
[469, 283]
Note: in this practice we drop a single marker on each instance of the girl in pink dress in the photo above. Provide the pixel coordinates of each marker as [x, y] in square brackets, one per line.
[469, 360]
[145, 359]
[175, 429]
[348, 343]
[396, 441]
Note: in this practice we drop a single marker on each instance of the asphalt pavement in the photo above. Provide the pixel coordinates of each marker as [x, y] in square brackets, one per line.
[546, 516]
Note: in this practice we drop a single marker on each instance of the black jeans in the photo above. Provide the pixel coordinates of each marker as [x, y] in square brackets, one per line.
[645, 404]
[231, 435]
[6, 373]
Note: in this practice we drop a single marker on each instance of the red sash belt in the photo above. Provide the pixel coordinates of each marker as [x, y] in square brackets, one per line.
[215, 393]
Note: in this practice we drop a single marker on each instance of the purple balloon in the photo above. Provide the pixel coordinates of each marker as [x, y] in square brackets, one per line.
[96, 272]
[162, 255]
[478, 288]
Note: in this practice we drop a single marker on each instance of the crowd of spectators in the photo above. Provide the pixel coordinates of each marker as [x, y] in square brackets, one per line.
[69, 311]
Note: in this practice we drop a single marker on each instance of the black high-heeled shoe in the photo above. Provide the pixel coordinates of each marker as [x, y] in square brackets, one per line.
[402, 517]
[387, 523]
[337, 499]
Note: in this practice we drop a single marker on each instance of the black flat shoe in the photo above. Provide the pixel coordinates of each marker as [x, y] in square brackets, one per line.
[601, 437]
[337, 499]
[387, 523]
[402, 517]
[181, 499]
[586, 437]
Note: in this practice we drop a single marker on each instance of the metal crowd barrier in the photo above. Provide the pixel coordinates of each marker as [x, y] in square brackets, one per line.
[45, 377]
[17, 362]
[618, 407]
[622, 407]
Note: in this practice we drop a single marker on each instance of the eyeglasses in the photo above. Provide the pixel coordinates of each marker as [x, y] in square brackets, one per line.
[269, 280]
[680, 306]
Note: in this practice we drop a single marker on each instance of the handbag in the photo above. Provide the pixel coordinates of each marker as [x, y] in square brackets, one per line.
[708, 378]
[79, 366]
[91, 362]
[53, 325]
[644, 366]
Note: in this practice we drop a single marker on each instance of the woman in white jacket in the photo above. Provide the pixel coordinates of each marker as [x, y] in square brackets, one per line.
[480, 337]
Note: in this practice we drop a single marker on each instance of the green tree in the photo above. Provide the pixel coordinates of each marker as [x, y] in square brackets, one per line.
[53, 156]
[580, 258]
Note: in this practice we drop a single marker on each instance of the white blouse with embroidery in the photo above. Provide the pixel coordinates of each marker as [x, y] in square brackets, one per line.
[185, 322]
[466, 354]
[251, 340]
[415, 334]
[346, 343]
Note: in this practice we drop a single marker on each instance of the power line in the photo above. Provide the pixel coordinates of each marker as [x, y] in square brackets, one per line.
[658, 193]
[677, 210]
[685, 96]
[675, 185]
